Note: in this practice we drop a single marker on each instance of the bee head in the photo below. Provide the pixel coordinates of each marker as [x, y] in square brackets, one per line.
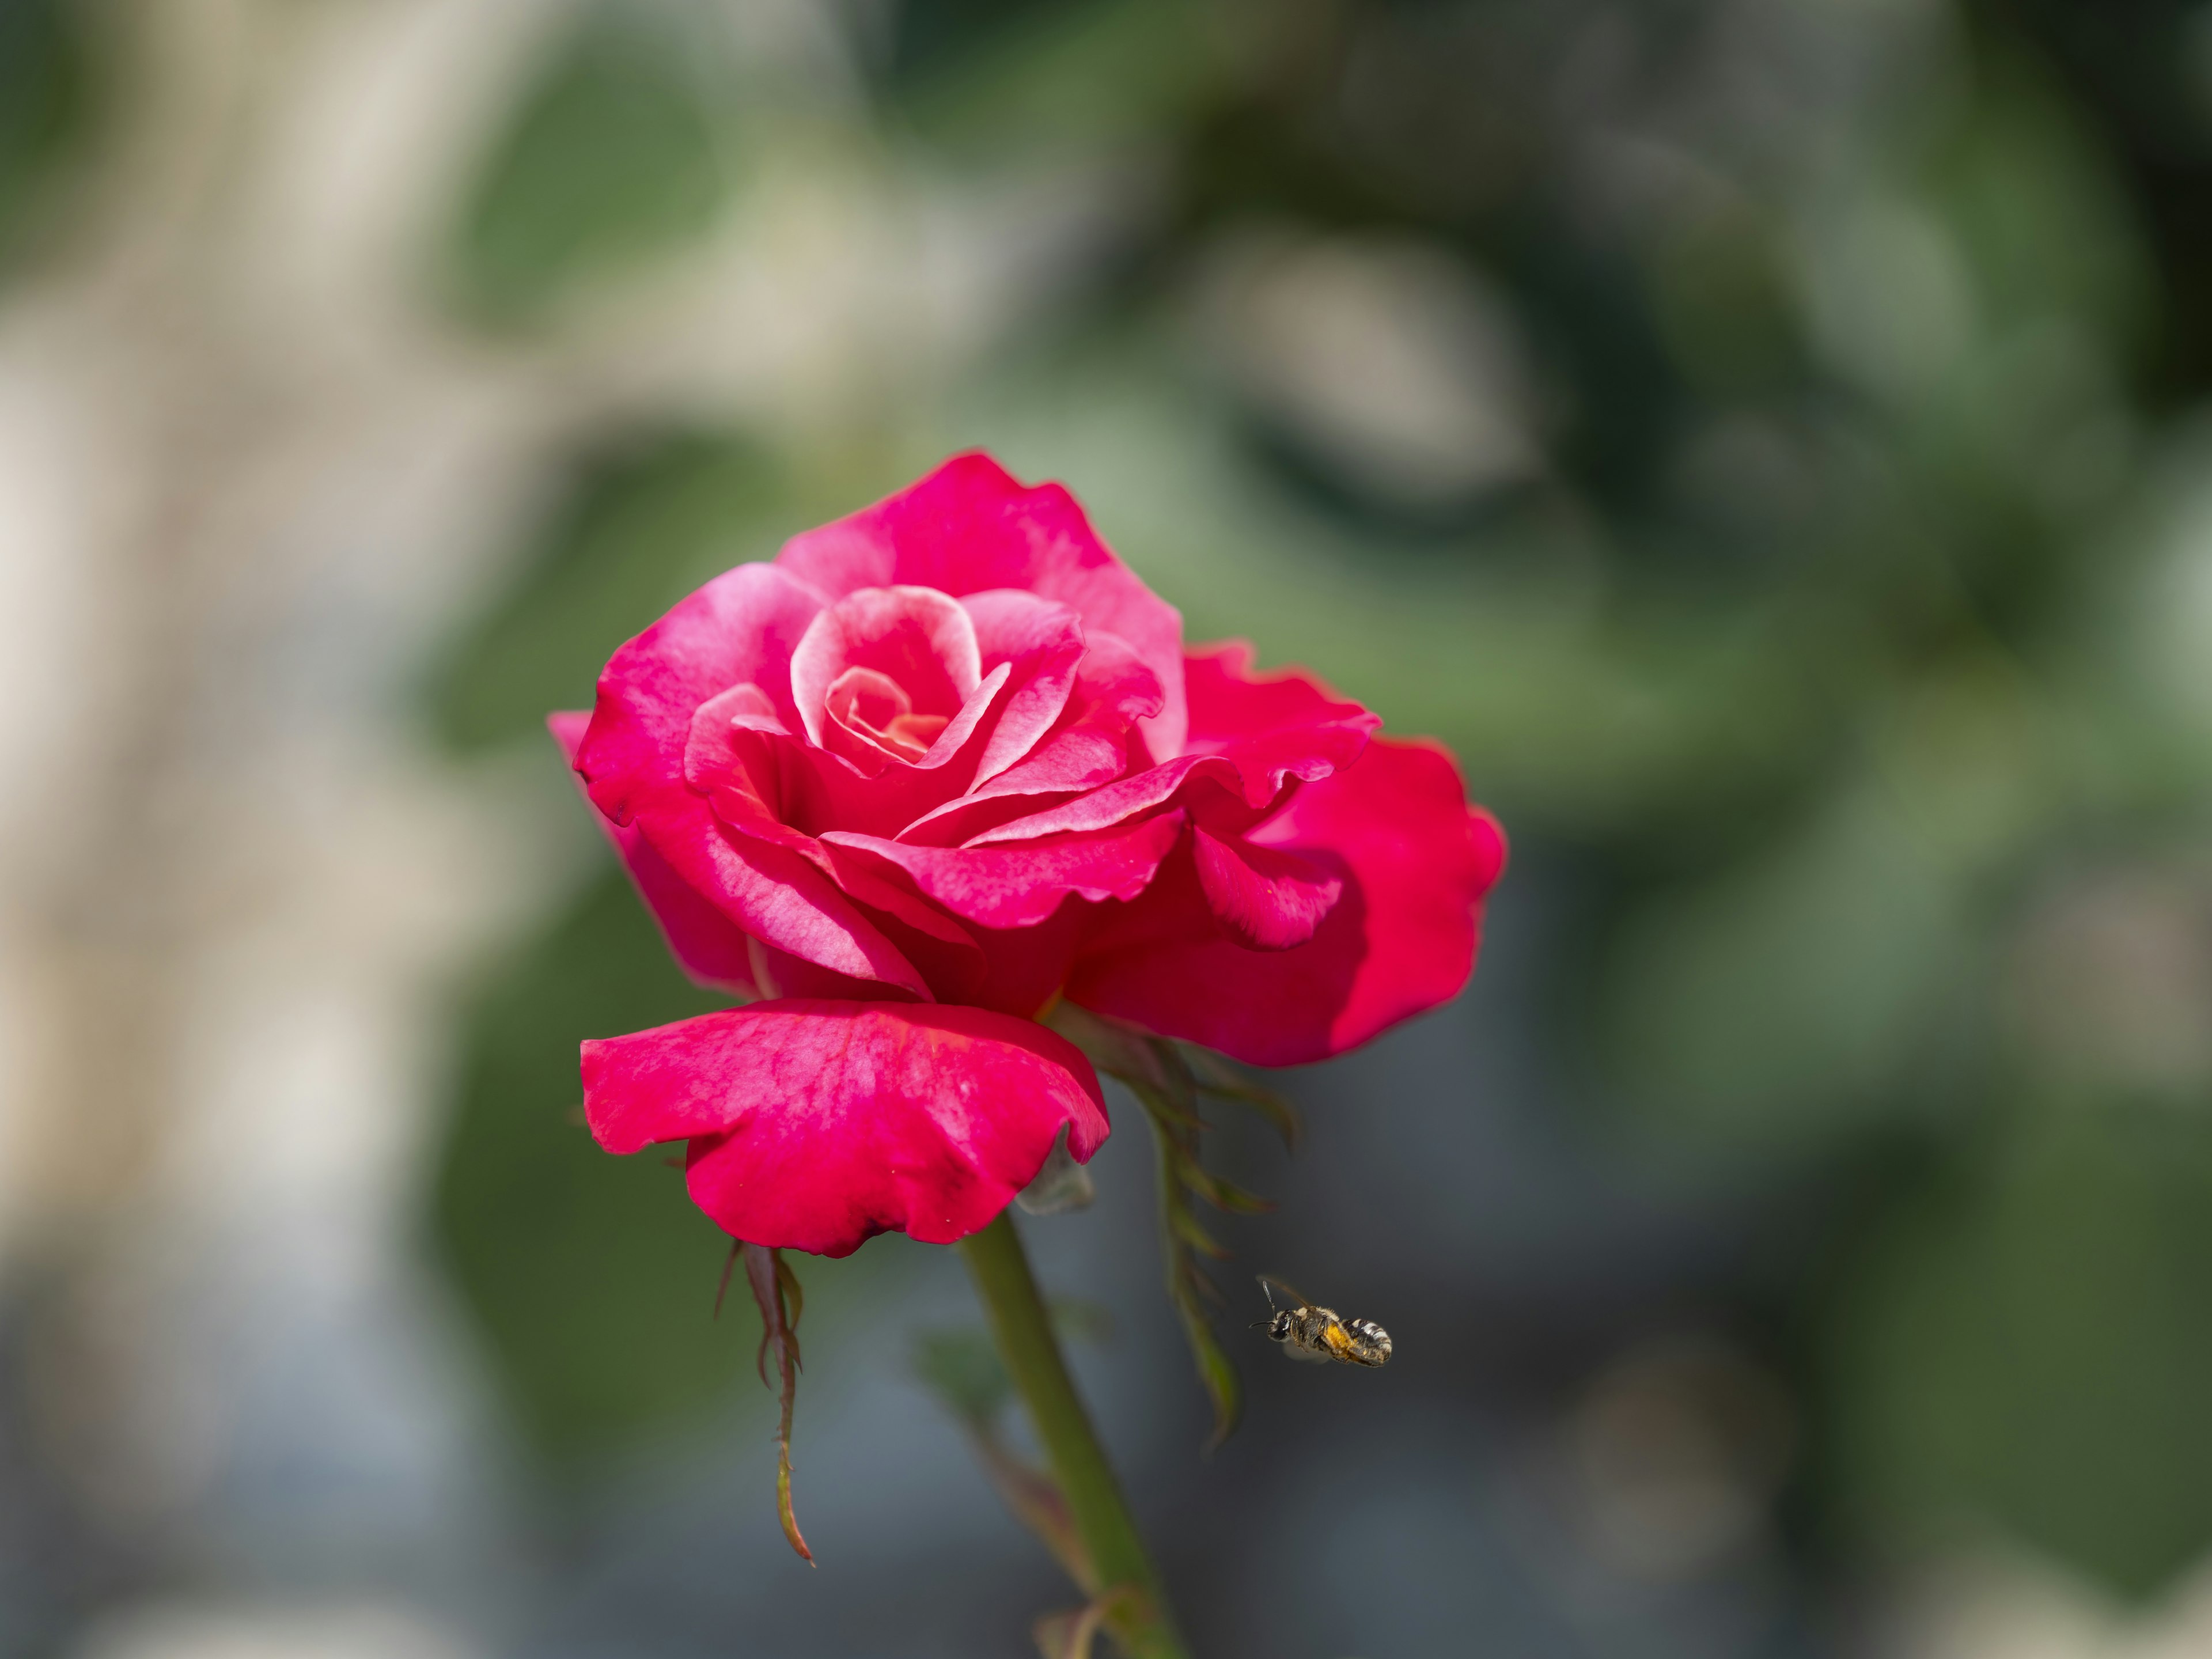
[1279, 1328]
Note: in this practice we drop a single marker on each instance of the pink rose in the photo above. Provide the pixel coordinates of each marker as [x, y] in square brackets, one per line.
[938, 763]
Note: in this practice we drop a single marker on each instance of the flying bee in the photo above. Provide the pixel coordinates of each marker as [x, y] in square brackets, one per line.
[1316, 1333]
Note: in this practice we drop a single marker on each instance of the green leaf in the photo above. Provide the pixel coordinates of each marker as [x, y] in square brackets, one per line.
[1217, 1077]
[1159, 1073]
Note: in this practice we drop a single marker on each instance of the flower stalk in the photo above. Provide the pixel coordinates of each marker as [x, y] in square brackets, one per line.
[1140, 1623]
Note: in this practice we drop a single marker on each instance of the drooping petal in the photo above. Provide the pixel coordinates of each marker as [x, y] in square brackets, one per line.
[708, 947]
[1400, 939]
[1020, 886]
[970, 527]
[816, 1124]
[1270, 899]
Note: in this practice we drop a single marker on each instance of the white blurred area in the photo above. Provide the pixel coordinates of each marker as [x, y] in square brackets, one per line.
[2001, 1607]
[247, 476]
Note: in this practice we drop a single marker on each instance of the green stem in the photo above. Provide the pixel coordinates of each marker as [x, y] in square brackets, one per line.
[1142, 1625]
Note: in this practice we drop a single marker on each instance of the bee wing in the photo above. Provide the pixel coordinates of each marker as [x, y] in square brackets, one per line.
[1288, 1290]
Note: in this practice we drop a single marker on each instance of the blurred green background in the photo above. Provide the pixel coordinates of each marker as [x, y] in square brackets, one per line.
[1765, 440]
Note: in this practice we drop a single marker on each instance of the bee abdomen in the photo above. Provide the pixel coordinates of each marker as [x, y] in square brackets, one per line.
[1374, 1341]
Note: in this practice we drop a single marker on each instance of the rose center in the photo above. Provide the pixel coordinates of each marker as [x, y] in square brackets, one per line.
[876, 706]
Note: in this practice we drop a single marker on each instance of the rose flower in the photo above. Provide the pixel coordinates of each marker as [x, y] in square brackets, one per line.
[938, 764]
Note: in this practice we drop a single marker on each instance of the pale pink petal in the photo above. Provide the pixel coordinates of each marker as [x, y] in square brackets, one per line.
[916, 636]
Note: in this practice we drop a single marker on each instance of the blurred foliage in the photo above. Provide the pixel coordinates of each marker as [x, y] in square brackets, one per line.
[591, 1277]
[642, 524]
[1065, 74]
[46, 88]
[1760, 438]
[2029, 1339]
[621, 151]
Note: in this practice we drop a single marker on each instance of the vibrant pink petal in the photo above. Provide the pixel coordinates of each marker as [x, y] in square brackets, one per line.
[709, 947]
[1248, 737]
[969, 526]
[1041, 644]
[1090, 744]
[1400, 939]
[725, 841]
[1019, 887]
[1270, 899]
[816, 1124]
[779, 896]
[784, 790]
[1230, 703]
[740, 628]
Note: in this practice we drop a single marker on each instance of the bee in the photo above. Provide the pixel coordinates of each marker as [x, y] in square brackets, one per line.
[1316, 1333]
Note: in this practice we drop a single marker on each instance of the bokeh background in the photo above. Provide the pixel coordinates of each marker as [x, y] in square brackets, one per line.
[1765, 438]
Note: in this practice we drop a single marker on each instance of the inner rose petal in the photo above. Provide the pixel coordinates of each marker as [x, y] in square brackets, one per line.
[876, 708]
[917, 648]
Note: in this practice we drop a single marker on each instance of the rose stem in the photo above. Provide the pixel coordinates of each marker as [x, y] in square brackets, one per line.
[1144, 1627]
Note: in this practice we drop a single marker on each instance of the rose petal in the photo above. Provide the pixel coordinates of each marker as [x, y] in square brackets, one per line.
[815, 1125]
[1248, 735]
[916, 636]
[1401, 939]
[1270, 899]
[969, 526]
[708, 947]
[1090, 745]
[1042, 644]
[741, 628]
[1019, 887]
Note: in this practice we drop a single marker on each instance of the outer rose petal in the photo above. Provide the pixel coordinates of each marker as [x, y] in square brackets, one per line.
[816, 1124]
[742, 626]
[1270, 899]
[971, 525]
[1247, 736]
[711, 949]
[1400, 941]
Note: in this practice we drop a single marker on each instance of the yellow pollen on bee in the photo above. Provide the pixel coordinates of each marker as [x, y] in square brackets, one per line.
[1338, 1339]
